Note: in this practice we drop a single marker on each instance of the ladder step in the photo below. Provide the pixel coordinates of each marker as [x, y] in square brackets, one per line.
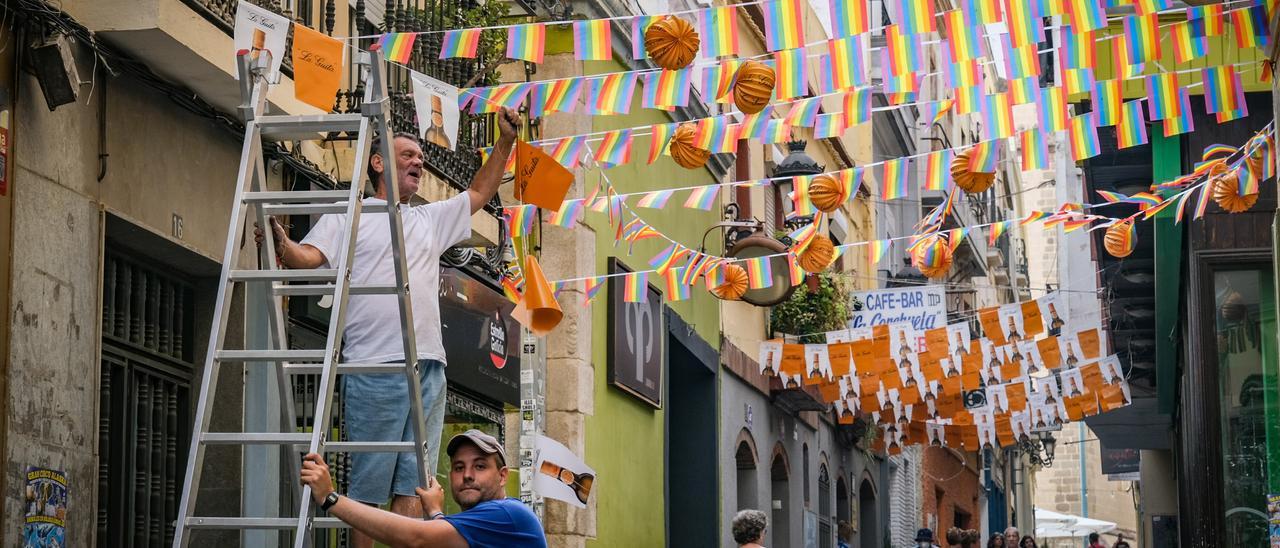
[198, 522]
[296, 196]
[271, 355]
[305, 209]
[344, 368]
[303, 438]
[327, 289]
[293, 128]
[282, 275]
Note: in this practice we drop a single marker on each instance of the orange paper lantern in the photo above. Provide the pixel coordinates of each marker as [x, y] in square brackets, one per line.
[734, 284]
[933, 257]
[969, 181]
[1226, 190]
[826, 193]
[1120, 239]
[817, 256]
[672, 42]
[537, 309]
[682, 149]
[753, 86]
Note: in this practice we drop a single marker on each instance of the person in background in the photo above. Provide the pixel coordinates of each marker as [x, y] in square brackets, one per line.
[748, 528]
[996, 541]
[924, 538]
[1095, 541]
[1121, 543]
[1011, 537]
[1027, 542]
[844, 534]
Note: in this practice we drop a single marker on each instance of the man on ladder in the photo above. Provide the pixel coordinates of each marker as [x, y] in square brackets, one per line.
[377, 407]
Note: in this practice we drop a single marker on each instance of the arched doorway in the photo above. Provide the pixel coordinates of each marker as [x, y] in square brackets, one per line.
[868, 530]
[826, 531]
[745, 455]
[842, 501]
[780, 487]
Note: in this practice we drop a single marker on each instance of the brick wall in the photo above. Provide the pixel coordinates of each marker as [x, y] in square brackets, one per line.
[949, 490]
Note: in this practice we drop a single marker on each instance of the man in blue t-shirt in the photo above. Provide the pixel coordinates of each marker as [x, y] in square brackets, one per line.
[477, 478]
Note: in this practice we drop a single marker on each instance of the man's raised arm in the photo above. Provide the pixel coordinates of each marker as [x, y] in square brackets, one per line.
[485, 184]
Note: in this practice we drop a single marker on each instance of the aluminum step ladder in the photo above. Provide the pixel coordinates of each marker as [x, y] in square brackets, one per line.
[251, 194]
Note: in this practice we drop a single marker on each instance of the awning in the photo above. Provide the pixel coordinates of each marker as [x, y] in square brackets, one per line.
[1051, 524]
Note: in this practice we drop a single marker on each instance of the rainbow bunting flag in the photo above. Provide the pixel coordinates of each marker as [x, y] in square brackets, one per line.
[1132, 129]
[511, 289]
[790, 68]
[717, 80]
[1150, 7]
[703, 197]
[998, 114]
[635, 287]
[1053, 108]
[933, 111]
[936, 170]
[857, 107]
[759, 273]
[845, 64]
[1206, 192]
[1106, 102]
[527, 42]
[460, 43]
[1087, 15]
[802, 205]
[983, 157]
[659, 138]
[665, 89]
[1211, 15]
[1141, 33]
[964, 74]
[718, 30]
[755, 125]
[876, 250]
[592, 40]
[1248, 181]
[1077, 80]
[611, 94]
[1026, 26]
[568, 151]
[795, 274]
[829, 126]
[778, 132]
[615, 148]
[562, 95]
[397, 47]
[510, 96]
[996, 230]
[1084, 138]
[968, 99]
[1077, 50]
[1183, 198]
[899, 98]
[783, 24]
[1111, 197]
[1032, 217]
[908, 82]
[1189, 41]
[903, 52]
[1222, 89]
[667, 259]
[1250, 24]
[1021, 62]
[727, 138]
[519, 219]
[570, 212]
[676, 289]
[1124, 65]
[639, 24]
[1024, 90]
[1229, 115]
[1035, 153]
[803, 112]
[982, 12]
[848, 17]
[918, 16]
[709, 132]
[693, 268]
[894, 181]
[964, 38]
[655, 200]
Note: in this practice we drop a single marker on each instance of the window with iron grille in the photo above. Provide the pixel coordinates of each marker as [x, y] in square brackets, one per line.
[144, 422]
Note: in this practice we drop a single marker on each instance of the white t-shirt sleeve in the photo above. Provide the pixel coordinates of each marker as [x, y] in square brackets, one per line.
[449, 220]
[326, 237]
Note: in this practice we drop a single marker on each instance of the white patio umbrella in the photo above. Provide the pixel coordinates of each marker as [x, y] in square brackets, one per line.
[1051, 524]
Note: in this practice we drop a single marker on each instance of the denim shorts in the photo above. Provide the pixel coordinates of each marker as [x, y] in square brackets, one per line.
[377, 409]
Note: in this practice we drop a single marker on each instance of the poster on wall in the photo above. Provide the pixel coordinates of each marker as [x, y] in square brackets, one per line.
[562, 475]
[637, 334]
[1273, 519]
[259, 30]
[923, 308]
[436, 104]
[45, 504]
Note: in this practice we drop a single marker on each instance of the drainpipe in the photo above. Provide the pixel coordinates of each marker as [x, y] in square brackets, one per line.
[1084, 477]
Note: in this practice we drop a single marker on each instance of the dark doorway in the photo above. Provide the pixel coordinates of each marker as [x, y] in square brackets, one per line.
[780, 526]
[868, 530]
[692, 475]
[746, 460]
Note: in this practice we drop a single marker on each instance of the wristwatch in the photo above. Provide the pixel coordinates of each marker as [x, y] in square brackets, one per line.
[436, 515]
[329, 501]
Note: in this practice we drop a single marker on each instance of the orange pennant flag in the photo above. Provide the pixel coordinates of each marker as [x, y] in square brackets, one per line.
[317, 67]
[540, 179]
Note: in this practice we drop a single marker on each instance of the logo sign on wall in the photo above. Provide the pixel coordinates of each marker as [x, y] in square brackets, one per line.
[922, 307]
[637, 340]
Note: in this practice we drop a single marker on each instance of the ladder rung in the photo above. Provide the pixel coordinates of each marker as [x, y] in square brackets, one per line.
[271, 355]
[370, 446]
[198, 522]
[292, 128]
[302, 438]
[344, 368]
[296, 196]
[283, 275]
[305, 209]
[327, 289]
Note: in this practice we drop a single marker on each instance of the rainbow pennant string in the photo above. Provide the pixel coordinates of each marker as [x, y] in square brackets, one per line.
[719, 30]
[1251, 26]
[1141, 35]
[755, 126]
[795, 274]
[1084, 138]
[996, 230]
[1106, 102]
[1078, 48]
[1077, 80]
[1087, 15]
[1123, 64]
[893, 183]
[635, 287]
[570, 212]
[790, 68]
[568, 151]
[1021, 62]
[1035, 153]
[1053, 109]
[902, 51]
[655, 200]
[935, 170]
[615, 148]
[1149, 7]
[965, 74]
[703, 198]
[876, 250]
[527, 42]
[397, 47]
[829, 126]
[1024, 90]
[612, 93]
[933, 111]
[563, 95]
[857, 107]
[666, 259]
[983, 12]
[802, 205]
[778, 132]
[783, 24]
[845, 63]
[718, 80]
[983, 157]
[964, 39]
[1189, 41]
[918, 16]
[638, 25]
[803, 112]
[1025, 24]
[998, 114]
[676, 289]
[1132, 129]
[968, 99]
[848, 17]
[1221, 89]
[460, 43]
[1210, 15]
[519, 219]
[592, 40]
[759, 273]
[659, 138]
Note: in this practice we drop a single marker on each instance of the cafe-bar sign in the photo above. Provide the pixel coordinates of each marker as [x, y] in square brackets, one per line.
[923, 307]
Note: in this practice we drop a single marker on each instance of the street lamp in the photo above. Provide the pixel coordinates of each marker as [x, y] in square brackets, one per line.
[1040, 450]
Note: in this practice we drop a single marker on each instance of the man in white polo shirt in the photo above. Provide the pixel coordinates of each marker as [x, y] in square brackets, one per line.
[377, 406]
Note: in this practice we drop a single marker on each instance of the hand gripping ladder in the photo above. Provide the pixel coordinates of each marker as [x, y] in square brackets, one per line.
[251, 195]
